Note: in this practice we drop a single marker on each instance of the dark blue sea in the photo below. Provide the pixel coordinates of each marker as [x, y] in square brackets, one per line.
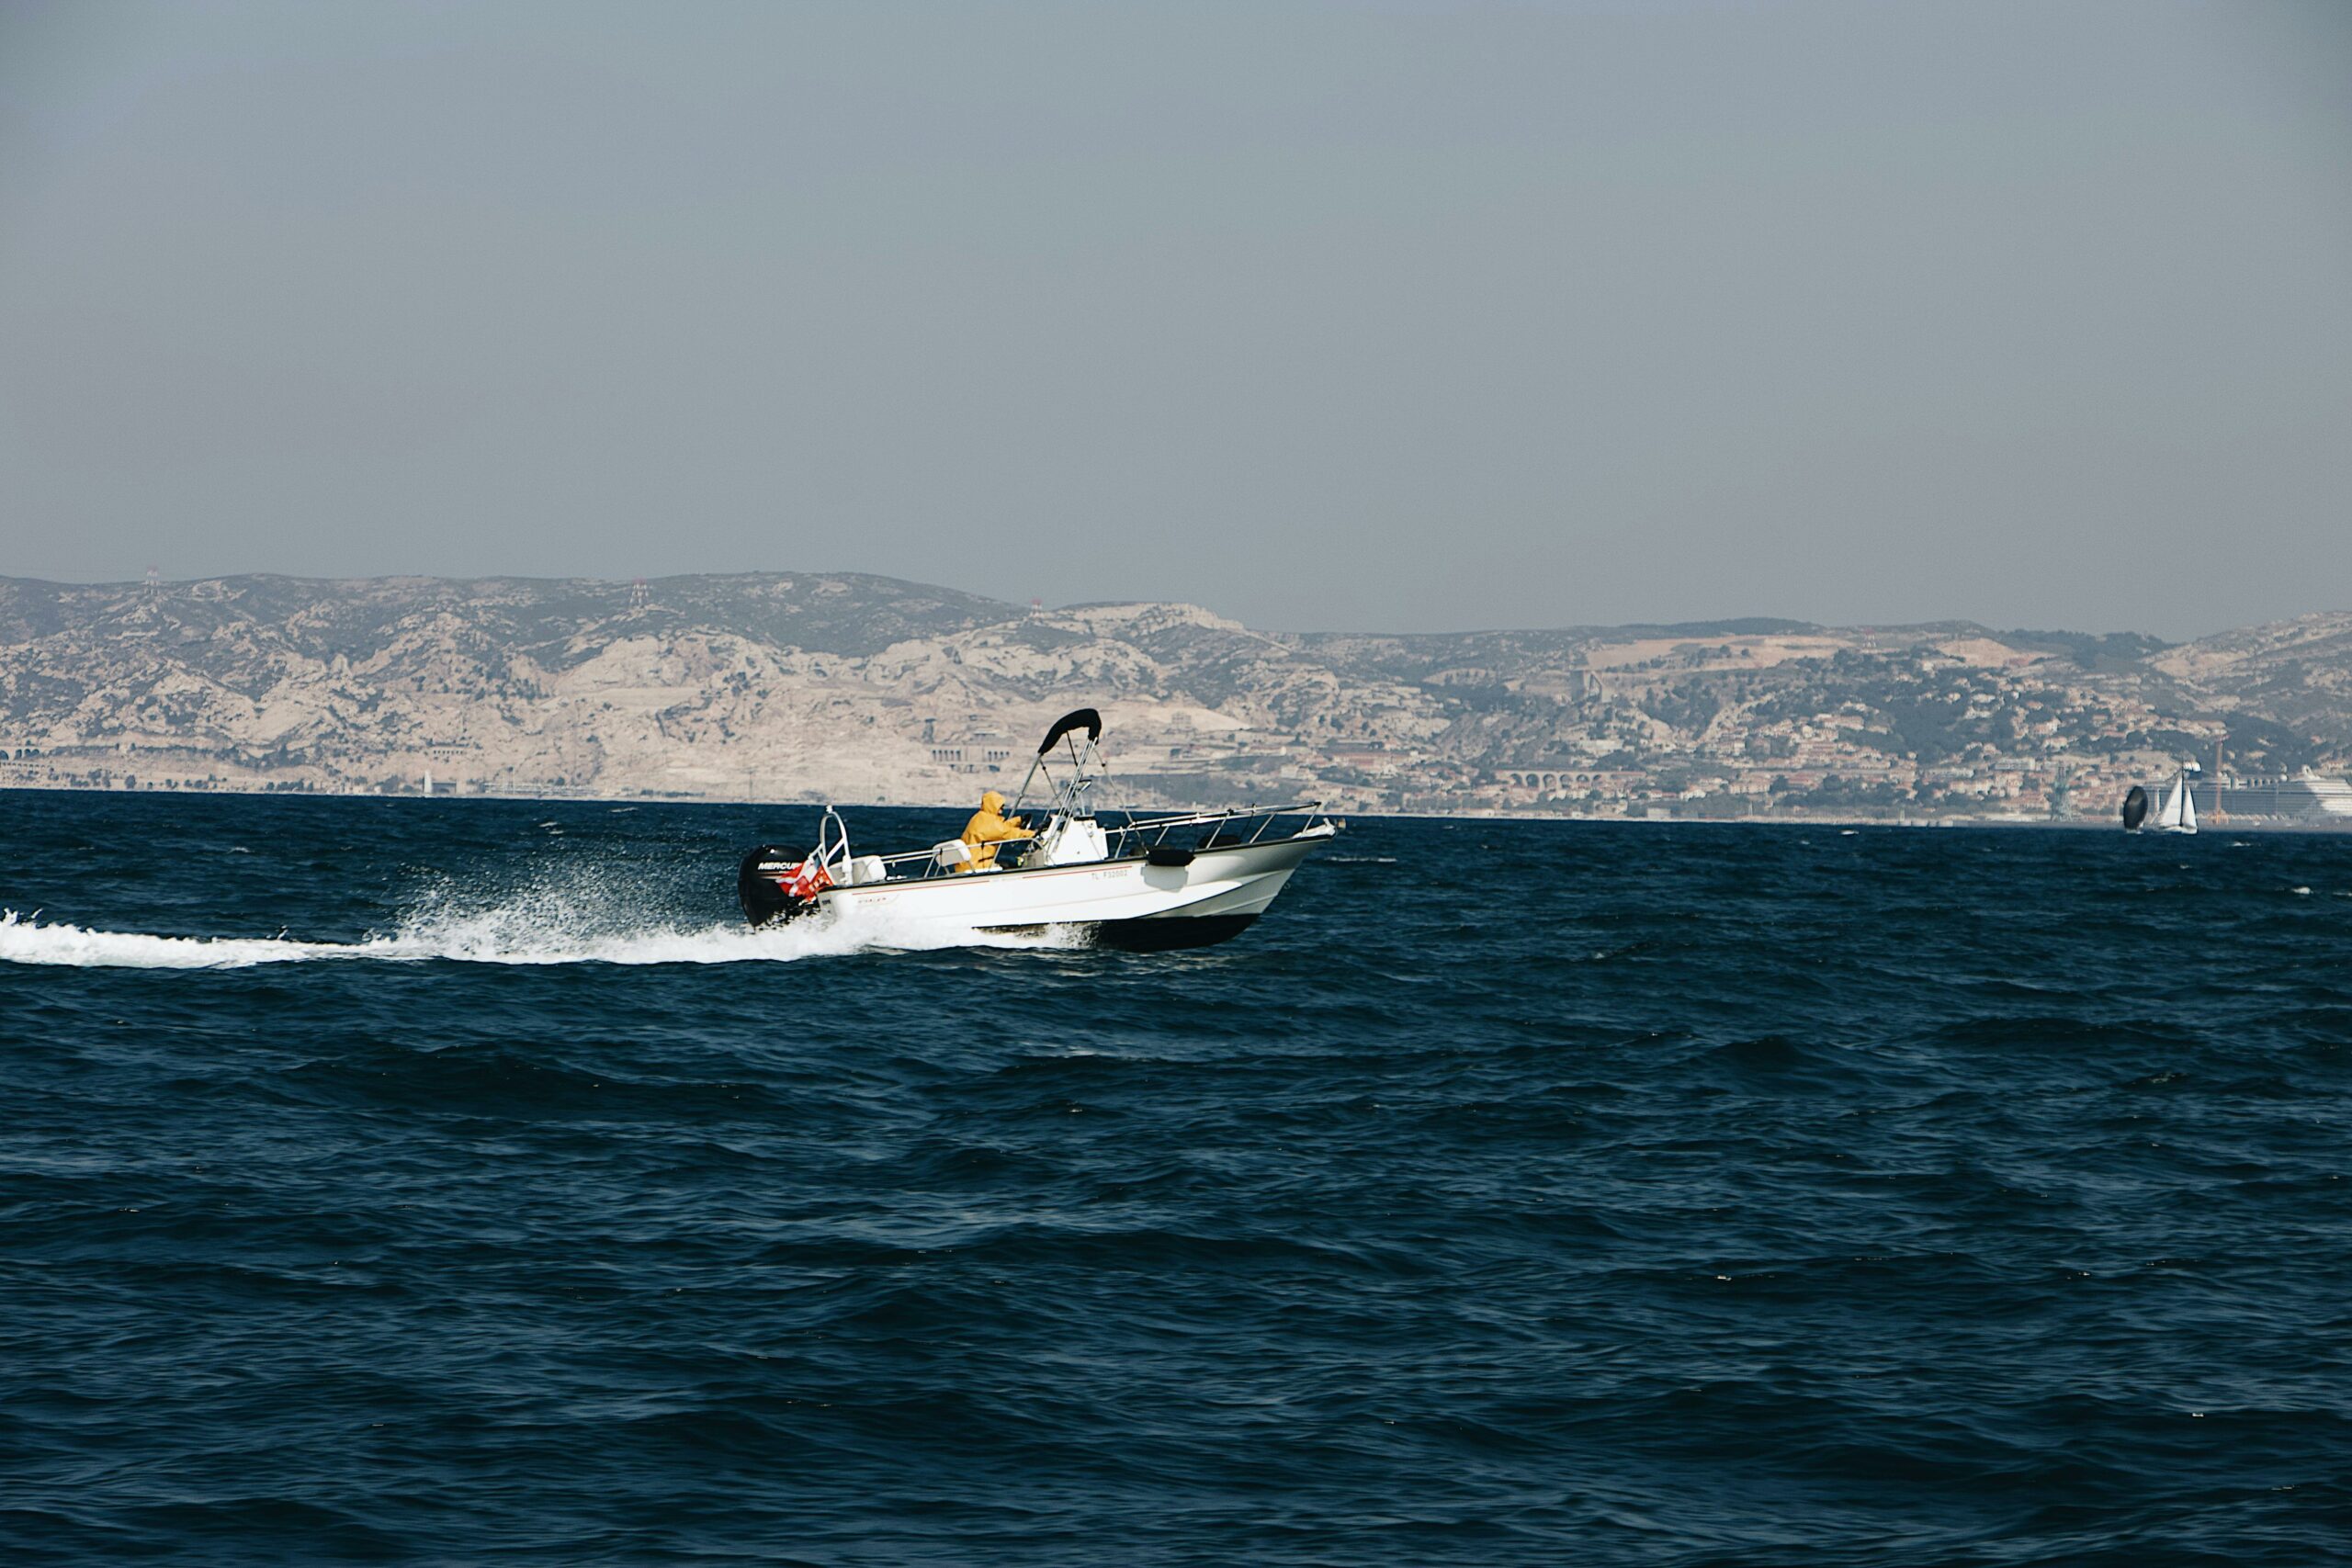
[457, 1181]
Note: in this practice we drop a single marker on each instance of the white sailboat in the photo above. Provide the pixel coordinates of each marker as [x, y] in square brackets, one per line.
[2179, 813]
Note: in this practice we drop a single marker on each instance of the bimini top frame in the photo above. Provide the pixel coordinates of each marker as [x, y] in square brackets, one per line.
[1086, 767]
[1073, 773]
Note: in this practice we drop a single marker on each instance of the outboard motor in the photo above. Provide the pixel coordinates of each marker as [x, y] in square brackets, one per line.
[2135, 810]
[759, 885]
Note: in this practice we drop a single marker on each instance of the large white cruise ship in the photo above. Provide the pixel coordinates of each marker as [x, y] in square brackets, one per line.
[2305, 794]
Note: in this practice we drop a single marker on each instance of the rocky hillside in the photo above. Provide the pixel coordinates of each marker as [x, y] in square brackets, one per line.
[867, 689]
[2296, 675]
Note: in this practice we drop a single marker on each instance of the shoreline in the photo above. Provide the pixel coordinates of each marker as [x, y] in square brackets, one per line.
[1774, 820]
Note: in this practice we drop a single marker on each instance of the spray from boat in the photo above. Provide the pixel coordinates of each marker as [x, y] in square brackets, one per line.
[494, 936]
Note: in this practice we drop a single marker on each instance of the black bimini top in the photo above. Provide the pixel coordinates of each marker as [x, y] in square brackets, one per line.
[1084, 718]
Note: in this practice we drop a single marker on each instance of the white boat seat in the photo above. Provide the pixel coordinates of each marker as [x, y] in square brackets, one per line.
[864, 869]
[952, 854]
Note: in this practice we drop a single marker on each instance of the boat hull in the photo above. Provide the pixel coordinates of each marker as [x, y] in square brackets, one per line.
[1169, 935]
[1130, 904]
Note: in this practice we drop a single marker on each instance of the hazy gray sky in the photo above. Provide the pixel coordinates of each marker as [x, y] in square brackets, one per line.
[1376, 315]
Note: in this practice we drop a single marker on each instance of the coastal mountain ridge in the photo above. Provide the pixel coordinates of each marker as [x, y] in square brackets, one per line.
[857, 688]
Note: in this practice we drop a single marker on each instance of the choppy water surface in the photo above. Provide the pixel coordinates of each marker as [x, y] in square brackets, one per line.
[458, 1181]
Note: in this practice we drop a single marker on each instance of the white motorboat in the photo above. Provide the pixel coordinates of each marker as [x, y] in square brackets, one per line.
[2176, 815]
[1128, 881]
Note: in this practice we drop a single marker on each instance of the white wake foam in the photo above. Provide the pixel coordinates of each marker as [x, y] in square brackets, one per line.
[525, 932]
[25, 940]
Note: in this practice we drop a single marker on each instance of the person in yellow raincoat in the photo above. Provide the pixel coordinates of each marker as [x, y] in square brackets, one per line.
[989, 828]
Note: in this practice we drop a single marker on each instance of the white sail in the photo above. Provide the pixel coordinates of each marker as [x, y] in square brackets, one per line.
[2179, 813]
